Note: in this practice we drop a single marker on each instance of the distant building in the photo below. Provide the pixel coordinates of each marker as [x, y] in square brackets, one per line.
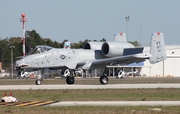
[168, 67]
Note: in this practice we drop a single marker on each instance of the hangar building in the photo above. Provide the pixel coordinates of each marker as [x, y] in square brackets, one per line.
[168, 67]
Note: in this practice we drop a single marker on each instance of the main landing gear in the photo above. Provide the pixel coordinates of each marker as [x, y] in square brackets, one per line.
[39, 80]
[70, 78]
[103, 80]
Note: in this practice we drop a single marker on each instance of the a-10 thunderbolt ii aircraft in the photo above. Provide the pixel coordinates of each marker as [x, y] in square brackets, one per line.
[93, 55]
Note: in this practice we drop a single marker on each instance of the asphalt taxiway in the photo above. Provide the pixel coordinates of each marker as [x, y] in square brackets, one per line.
[116, 103]
[92, 103]
[108, 86]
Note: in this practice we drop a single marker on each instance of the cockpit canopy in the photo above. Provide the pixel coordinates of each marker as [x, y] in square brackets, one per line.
[40, 49]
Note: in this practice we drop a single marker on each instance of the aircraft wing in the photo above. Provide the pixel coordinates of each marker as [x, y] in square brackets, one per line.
[157, 54]
[98, 63]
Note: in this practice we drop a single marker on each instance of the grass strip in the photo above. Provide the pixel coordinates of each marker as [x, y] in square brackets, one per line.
[159, 94]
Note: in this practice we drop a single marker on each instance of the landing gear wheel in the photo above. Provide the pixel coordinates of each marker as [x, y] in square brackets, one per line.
[38, 82]
[70, 80]
[103, 80]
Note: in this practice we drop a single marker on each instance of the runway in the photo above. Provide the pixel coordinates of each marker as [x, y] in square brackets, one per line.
[108, 86]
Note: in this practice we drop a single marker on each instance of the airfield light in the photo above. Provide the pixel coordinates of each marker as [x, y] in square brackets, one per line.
[23, 19]
[23, 15]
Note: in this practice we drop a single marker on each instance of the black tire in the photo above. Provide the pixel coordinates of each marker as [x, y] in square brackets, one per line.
[38, 82]
[104, 80]
[70, 80]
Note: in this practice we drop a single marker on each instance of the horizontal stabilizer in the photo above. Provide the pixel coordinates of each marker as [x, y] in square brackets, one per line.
[130, 51]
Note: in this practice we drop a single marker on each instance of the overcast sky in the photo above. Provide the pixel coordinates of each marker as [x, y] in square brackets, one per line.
[77, 20]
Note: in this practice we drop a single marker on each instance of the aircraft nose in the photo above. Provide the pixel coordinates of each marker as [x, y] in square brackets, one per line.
[16, 65]
[20, 64]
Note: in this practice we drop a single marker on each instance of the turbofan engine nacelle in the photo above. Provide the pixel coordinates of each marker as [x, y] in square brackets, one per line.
[112, 49]
[93, 45]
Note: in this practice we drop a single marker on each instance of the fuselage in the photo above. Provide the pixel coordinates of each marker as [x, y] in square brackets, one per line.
[59, 58]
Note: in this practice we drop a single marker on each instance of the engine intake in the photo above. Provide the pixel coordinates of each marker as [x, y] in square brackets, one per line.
[93, 45]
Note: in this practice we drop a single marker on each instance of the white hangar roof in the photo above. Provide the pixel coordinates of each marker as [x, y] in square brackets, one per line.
[170, 49]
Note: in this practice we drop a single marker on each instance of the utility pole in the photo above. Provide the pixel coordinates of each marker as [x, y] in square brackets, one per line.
[12, 47]
[127, 19]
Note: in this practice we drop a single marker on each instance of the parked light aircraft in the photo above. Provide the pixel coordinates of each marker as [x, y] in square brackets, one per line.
[93, 55]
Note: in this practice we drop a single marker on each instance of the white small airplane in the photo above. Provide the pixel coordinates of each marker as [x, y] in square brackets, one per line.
[93, 55]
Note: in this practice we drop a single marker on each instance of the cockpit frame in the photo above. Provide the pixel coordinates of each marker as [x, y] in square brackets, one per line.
[40, 49]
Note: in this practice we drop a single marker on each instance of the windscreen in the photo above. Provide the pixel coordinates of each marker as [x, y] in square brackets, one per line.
[40, 49]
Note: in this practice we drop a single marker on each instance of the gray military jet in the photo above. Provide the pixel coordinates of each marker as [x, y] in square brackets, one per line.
[93, 55]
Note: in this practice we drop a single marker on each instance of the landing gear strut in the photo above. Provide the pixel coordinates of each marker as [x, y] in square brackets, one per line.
[70, 78]
[39, 80]
[103, 79]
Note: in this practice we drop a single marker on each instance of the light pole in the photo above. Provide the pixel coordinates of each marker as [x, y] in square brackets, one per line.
[1, 54]
[127, 19]
[1, 58]
[12, 47]
[23, 19]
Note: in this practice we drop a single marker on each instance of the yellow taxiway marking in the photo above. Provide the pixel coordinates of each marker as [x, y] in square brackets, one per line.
[43, 103]
[29, 103]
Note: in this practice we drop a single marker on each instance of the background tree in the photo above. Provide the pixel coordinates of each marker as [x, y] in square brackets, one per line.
[135, 43]
[57, 45]
[48, 42]
[4, 52]
[103, 40]
[32, 39]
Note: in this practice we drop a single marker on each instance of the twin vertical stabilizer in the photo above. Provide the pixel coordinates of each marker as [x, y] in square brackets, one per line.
[120, 37]
[157, 49]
